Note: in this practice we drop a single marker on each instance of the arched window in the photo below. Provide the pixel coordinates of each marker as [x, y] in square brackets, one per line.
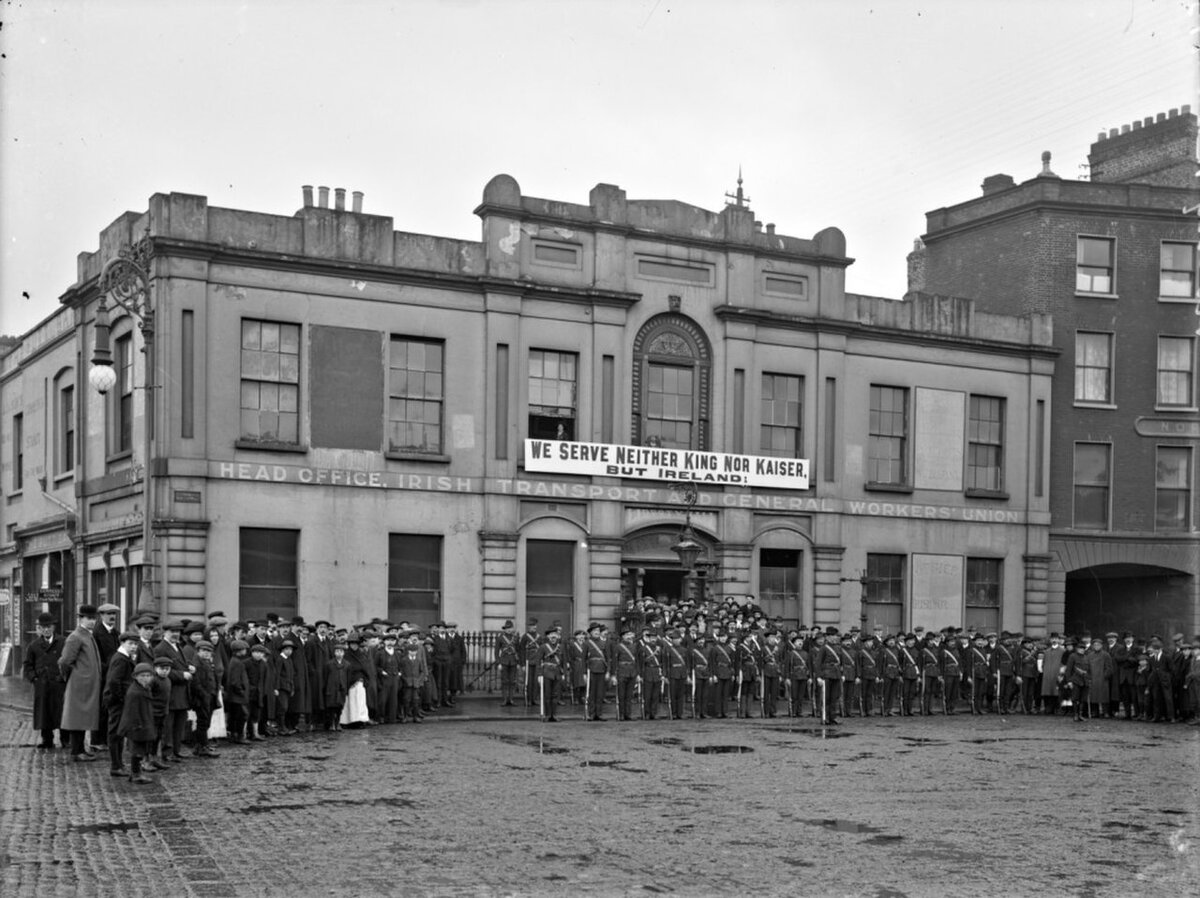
[672, 383]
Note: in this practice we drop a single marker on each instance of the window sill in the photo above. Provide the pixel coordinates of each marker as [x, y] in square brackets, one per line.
[432, 458]
[268, 446]
[1104, 406]
[1187, 300]
[888, 487]
[1081, 294]
[987, 494]
[118, 456]
[60, 478]
[1179, 409]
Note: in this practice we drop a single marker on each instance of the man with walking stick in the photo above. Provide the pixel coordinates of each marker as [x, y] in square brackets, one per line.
[550, 670]
[597, 673]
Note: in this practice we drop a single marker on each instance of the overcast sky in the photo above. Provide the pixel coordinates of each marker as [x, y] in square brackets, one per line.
[861, 115]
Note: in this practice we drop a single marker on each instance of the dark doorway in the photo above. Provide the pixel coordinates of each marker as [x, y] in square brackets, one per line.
[1143, 599]
[657, 584]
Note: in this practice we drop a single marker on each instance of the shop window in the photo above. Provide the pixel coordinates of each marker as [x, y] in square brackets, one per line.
[416, 394]
[1094, 264]
[887, 458]
[1092, 474]
[1173, 488]
[550, 581]
[983, 594]
[782, 415]
[270, 404]
[268, 573]
[779, 584]
[985, 444]
[1177, 270]
[553, 387]
[1093, 367]
[1176, 364]
[885, 592]
[414, 578]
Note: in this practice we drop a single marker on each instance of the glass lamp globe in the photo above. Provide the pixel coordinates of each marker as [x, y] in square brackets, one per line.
[102, 377]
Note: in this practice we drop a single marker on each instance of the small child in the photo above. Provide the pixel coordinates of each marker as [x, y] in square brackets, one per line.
[336, 687]
[138, 721]
[262, 689]
[237, 692]
[160, 702]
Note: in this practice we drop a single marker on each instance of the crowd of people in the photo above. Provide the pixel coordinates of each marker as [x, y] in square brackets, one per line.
[146, 693]
[704, 660]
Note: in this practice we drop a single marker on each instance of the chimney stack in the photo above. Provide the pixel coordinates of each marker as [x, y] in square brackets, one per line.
[307, 191]
[357, 200]
[1157, 150]
[323, 197]
[339, 198]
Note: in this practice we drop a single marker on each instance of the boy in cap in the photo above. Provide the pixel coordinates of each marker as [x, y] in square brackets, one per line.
[336, 687]
[414, 672]
[137, 722]
[204, 698]
[116, 683]
[160, 704]
[237, 692]
[260, 674]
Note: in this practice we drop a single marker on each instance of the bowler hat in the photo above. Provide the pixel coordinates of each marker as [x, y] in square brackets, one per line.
[86, 611]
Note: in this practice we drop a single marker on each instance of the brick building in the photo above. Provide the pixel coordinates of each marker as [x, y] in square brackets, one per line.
[1113, 260]
[352, 422]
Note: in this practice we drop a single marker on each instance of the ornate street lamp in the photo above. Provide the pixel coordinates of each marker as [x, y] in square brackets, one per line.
[125, 280]
[688, 548]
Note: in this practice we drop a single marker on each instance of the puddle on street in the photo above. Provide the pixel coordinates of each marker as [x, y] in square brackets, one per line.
[104, 827]
[922, 740]
[793, 862]
[720, 749]
[541, 746]
[851, 826]
[815, 732]
[613, 765]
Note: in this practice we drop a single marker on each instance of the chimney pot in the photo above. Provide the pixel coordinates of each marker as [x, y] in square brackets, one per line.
[1113, 132]
[1185, 109]
[771, 227]
[306, 190]
[357, 198]
[323, 197]
[758, 227]
[1137, 126]
[1148, 121]
[1161, 117]
[339, 198]
[1124, 129]
[1174, 113]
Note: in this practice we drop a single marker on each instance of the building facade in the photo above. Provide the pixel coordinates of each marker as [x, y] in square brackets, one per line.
[352, 423]
[1113, 260]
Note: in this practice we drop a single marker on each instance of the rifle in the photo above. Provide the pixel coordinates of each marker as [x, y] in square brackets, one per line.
[945, 707]
[587, 692]
[541, 698]
[787, 691]
[922, 672]
[762, 693]
[641, 697]
[820, 681]
[739, 692]
[692, 680]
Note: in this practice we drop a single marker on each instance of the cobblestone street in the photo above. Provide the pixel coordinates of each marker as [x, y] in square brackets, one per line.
[478, 804]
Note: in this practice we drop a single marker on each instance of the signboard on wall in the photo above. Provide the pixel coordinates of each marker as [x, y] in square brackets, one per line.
[937, 591]
[940, 425]
[654, 463]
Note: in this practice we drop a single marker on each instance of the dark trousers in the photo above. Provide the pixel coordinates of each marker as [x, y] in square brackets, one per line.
[410, 701]
[1162, 703]
[700, 696]
[1132, 699]
[651, 696]
[866, 696]
[952, 686]
[595, 693]
[441, 673]
[283, 703]
[796, 697]
[831, 701]
[508, 682]
[203, 722]
[235, 719]
[531, 684]
[719, 693]
[76, 738]
[908, 692]
[100, 734]
[890, 688]
[177, 721]
[116, 745]
[770, 695]
[675, 694]
[625, 697]
[549, 698]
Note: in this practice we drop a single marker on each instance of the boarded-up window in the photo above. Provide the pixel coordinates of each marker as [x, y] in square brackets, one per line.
[346, 388]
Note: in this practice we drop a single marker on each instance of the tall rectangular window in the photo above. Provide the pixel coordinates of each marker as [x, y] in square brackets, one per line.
[553, 384]
[270, 381]
[1092, 476]
[885, 592]
[66, 430]
[18, 452]
[887, 457]
[983, 594]
[1173, 488]
[1094, 264]
[779, 584]
[550, 581]
[985, 444]
[268, 572]
[782, 418]
[416, 394]
[1176, 364]
[414, 578]
[670, 401]
[122, 435]
[1093, 367]
[1177, 270]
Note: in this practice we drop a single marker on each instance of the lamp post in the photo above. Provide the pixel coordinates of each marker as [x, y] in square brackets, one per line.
[863, 580]
[125, 280]
[688, 548]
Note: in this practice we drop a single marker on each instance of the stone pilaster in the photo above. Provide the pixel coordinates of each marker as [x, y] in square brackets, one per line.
[499, 601]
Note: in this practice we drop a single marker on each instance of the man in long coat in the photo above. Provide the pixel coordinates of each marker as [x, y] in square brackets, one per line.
[41, 669]
[80, 665]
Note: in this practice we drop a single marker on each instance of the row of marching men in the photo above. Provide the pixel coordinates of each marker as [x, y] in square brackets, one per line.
[766, 673]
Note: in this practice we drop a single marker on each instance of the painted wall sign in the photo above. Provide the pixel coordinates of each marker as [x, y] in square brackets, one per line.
[187, 496]
[651, 463]
[937, 587]
[938, 459]
[1167, 427]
